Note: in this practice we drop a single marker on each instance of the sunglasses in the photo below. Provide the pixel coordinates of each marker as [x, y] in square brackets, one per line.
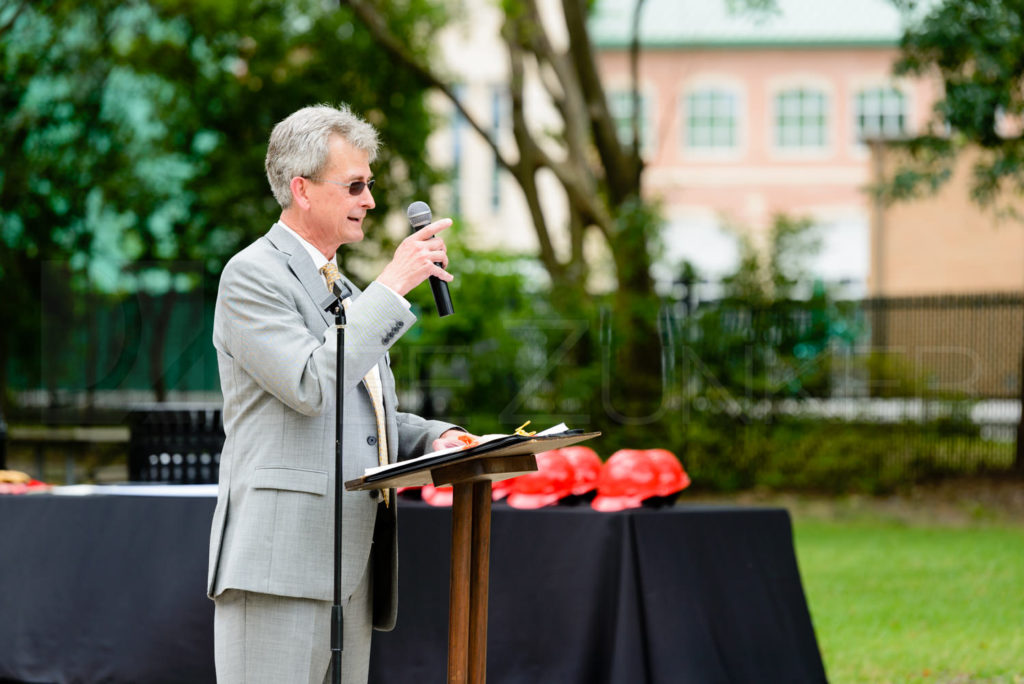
[354, 188]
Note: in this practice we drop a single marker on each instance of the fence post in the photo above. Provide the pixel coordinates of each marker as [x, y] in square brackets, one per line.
[1018, 458]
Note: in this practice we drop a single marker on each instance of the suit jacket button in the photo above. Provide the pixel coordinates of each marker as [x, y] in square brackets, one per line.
[371, 440]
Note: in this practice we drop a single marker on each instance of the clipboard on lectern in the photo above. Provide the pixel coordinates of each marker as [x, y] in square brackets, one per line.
[421, 471]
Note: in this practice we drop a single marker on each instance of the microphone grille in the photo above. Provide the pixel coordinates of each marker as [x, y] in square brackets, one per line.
[419, 214]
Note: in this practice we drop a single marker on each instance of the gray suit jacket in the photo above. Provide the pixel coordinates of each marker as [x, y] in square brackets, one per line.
[274, 522]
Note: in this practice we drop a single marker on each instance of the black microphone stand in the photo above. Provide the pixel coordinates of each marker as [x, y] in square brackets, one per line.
[337, 618]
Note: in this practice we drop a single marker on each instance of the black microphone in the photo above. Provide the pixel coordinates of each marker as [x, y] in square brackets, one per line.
[419, 216]
[341, 290]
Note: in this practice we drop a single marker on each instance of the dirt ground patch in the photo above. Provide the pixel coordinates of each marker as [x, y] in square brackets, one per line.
[955, 503]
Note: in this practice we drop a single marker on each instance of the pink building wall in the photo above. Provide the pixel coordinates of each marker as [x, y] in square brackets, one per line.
[751, 184]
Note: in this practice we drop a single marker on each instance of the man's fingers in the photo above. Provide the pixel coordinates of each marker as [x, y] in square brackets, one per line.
[438, 258]
[445, 443]
[420, 255]
[431, 229]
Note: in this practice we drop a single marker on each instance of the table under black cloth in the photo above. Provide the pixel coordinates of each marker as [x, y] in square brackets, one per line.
[112, 589]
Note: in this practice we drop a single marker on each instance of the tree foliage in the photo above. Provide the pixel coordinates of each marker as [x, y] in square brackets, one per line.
[976, 49]
[133, 136]
[764, 340]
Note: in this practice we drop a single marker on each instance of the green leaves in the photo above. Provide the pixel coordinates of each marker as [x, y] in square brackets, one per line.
[136, 131]
[976, 47]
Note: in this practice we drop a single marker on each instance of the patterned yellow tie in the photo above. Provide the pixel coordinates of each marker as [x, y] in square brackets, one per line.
[371, 379]
[331, 275]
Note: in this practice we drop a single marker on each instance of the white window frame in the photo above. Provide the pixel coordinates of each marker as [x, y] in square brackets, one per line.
[857, 85]
[883, 111]
[717, 92]
[799, 111]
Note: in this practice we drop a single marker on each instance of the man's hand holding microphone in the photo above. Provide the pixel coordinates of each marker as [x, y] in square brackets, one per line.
[420, 256]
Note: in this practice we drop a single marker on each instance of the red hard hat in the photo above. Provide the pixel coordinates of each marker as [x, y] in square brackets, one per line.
[501, 488]
[552, 481]
[438, 496]
[672, 479]
[626, 480]
[586, 466]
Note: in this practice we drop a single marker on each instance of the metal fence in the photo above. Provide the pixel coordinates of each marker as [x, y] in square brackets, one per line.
[939, 377]
[958, 345]
[960, 357]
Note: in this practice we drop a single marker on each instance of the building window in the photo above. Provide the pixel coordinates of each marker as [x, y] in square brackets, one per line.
[711, 119]
[880, 113]
[801, 119]
[620, 104]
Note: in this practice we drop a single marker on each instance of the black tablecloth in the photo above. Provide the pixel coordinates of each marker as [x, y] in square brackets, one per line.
[111, 589]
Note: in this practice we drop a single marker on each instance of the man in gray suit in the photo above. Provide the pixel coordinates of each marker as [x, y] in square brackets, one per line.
[271, 545]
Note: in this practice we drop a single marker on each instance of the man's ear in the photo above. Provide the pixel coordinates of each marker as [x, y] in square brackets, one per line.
[300, 195]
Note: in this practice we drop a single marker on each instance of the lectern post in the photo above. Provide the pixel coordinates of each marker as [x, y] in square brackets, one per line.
[480, 569]
[459, 596]
[467, 602]
[471, 556]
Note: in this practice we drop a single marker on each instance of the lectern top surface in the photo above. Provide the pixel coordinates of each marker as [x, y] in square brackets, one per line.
[417, 471]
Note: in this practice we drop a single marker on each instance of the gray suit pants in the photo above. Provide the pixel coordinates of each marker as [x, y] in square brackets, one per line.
[266, 639]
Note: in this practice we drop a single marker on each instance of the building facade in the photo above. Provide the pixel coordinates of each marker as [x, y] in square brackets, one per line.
[744, 116]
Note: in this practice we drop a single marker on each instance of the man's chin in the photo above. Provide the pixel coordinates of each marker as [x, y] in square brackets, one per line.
[354, 232]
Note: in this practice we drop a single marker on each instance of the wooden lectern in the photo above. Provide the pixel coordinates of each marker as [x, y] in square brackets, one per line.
[470, 472]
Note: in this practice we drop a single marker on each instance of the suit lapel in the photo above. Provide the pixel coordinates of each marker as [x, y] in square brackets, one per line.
[303, 269]
[302, 266]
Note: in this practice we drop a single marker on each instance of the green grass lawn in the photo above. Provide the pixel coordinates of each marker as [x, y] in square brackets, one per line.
[893, 602]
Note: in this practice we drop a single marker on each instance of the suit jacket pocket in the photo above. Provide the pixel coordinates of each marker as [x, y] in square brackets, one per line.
[291, 479]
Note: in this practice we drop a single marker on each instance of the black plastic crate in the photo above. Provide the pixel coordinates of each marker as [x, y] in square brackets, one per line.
[179, 445]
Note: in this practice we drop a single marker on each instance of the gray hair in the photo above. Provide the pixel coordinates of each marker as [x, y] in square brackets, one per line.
[298, 144]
